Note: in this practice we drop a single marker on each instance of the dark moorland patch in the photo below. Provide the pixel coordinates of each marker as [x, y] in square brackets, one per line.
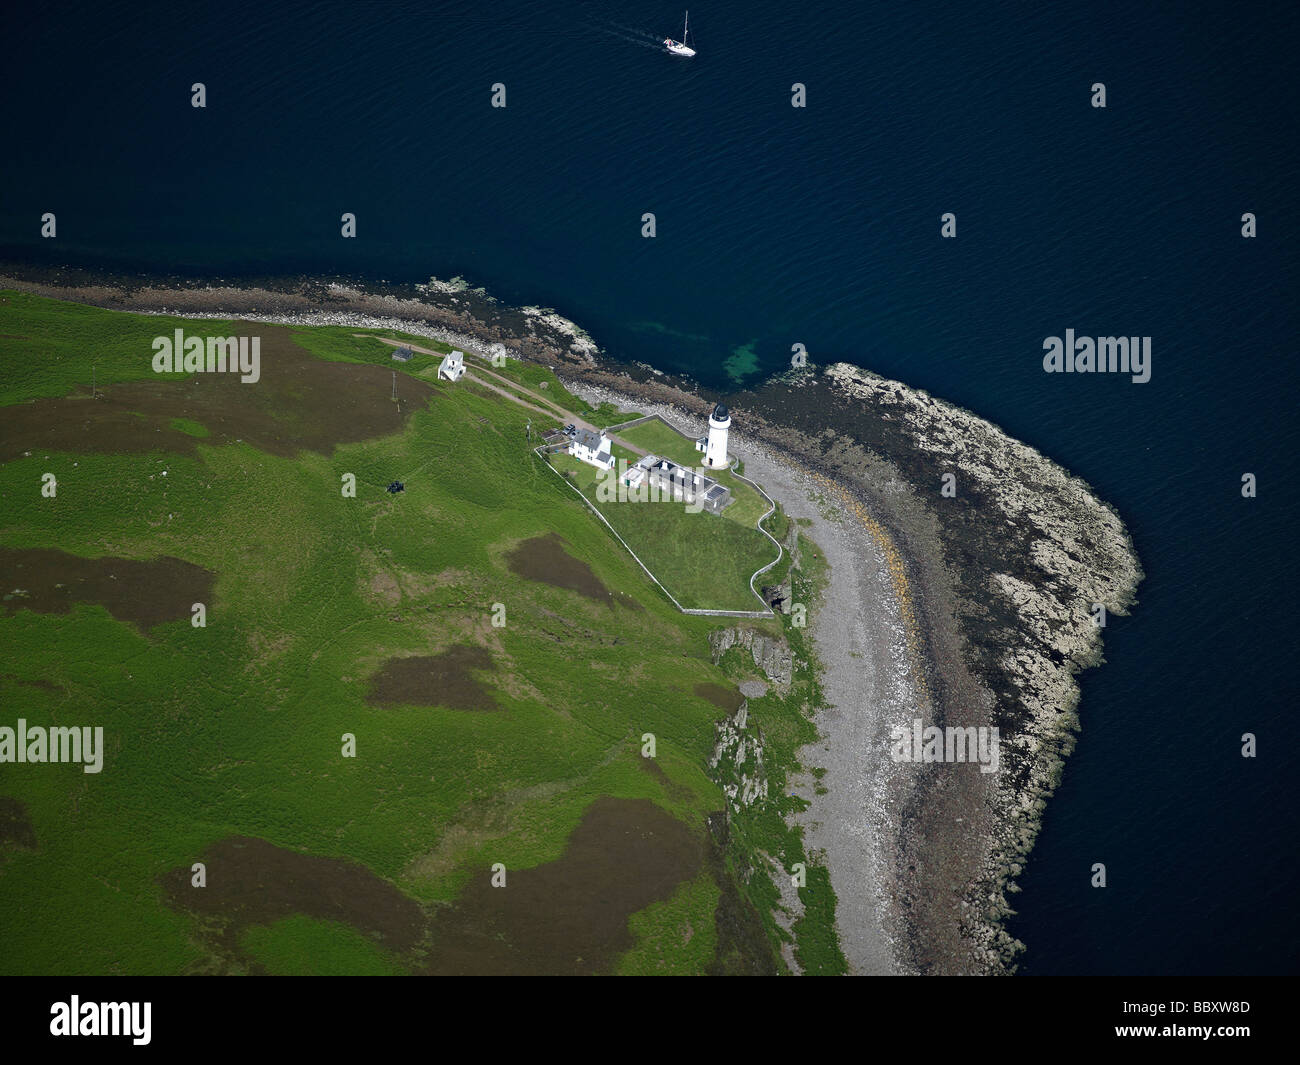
[672, 789]
[40, 685]
[721, 696]
[652, 766]
[743, 947]
[299, 403]
[569, 916]
[544, 559]
[253, 882]
[435, 680]
[16, 829]
[143, 592]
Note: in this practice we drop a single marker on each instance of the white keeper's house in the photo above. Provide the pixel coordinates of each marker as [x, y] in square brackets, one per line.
[595, 449]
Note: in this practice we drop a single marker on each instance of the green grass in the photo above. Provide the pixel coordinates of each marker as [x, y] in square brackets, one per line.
[678, 936]
[53, 348]
[235, 728]
[703, 560]
[340, 343]
[190, 427]
[817, 948]
[304, 946]
[606, 414]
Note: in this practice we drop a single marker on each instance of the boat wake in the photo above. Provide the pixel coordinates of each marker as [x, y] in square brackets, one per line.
[633, 35]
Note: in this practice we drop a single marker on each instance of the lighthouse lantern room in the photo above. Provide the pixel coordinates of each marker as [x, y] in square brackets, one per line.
[714, 443]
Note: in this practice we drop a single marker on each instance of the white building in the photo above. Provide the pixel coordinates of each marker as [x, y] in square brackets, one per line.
[452, 366]
[635, 475]
[668, 480]
[714, 443]
[595, 449]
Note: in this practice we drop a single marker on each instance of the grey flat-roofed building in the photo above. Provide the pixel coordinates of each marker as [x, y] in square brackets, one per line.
[682, 483]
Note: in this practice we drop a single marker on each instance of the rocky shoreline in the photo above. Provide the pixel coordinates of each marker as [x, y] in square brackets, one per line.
[1029, 553]
[450, 311]
[860, 640]
[996, 589]
[970, 609]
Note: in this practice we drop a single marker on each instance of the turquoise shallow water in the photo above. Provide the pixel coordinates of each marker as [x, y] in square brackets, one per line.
[819, 226]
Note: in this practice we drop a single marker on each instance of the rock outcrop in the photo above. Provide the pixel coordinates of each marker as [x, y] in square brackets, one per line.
[737, 760]
[771, 654]
[777, 597]
[1042, 561]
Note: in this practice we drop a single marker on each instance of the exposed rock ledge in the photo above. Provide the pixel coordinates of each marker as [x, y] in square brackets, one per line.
[1071, 552]
[771, 653]
[737, 760]
[1001, 578]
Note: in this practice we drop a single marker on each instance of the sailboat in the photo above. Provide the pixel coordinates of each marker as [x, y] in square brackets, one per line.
[680, 48]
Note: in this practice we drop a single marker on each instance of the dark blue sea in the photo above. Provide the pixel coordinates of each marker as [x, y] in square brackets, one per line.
[820, 226]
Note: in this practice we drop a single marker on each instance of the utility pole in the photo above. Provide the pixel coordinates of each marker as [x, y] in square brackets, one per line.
[394, 386]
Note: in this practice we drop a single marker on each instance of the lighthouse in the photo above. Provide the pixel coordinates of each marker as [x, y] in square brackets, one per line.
[714, 445]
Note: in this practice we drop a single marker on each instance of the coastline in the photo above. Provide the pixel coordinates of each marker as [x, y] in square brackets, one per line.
[858, 634]
[996, 589]
[968, 614]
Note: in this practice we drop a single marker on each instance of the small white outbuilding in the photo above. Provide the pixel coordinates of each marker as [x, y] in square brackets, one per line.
[452, 366]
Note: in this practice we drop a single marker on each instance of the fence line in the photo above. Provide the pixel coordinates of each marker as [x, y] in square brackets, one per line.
[698, 612]
[780, 549]
[638, 421]
[771, 506]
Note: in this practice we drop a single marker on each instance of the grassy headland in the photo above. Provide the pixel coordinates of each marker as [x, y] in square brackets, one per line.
[494, 655]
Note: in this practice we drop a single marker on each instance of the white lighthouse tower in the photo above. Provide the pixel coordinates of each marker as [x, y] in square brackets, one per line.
[714, 445]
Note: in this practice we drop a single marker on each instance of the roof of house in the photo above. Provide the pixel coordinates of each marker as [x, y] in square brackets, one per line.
[591, 441]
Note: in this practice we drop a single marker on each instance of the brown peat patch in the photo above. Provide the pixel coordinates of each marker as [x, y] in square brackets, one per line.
[569, 916]
[446, 679]
[145, 593]
[16, 829]
[299, 403]
[721, 696]
[544, 559]
[252, 882]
